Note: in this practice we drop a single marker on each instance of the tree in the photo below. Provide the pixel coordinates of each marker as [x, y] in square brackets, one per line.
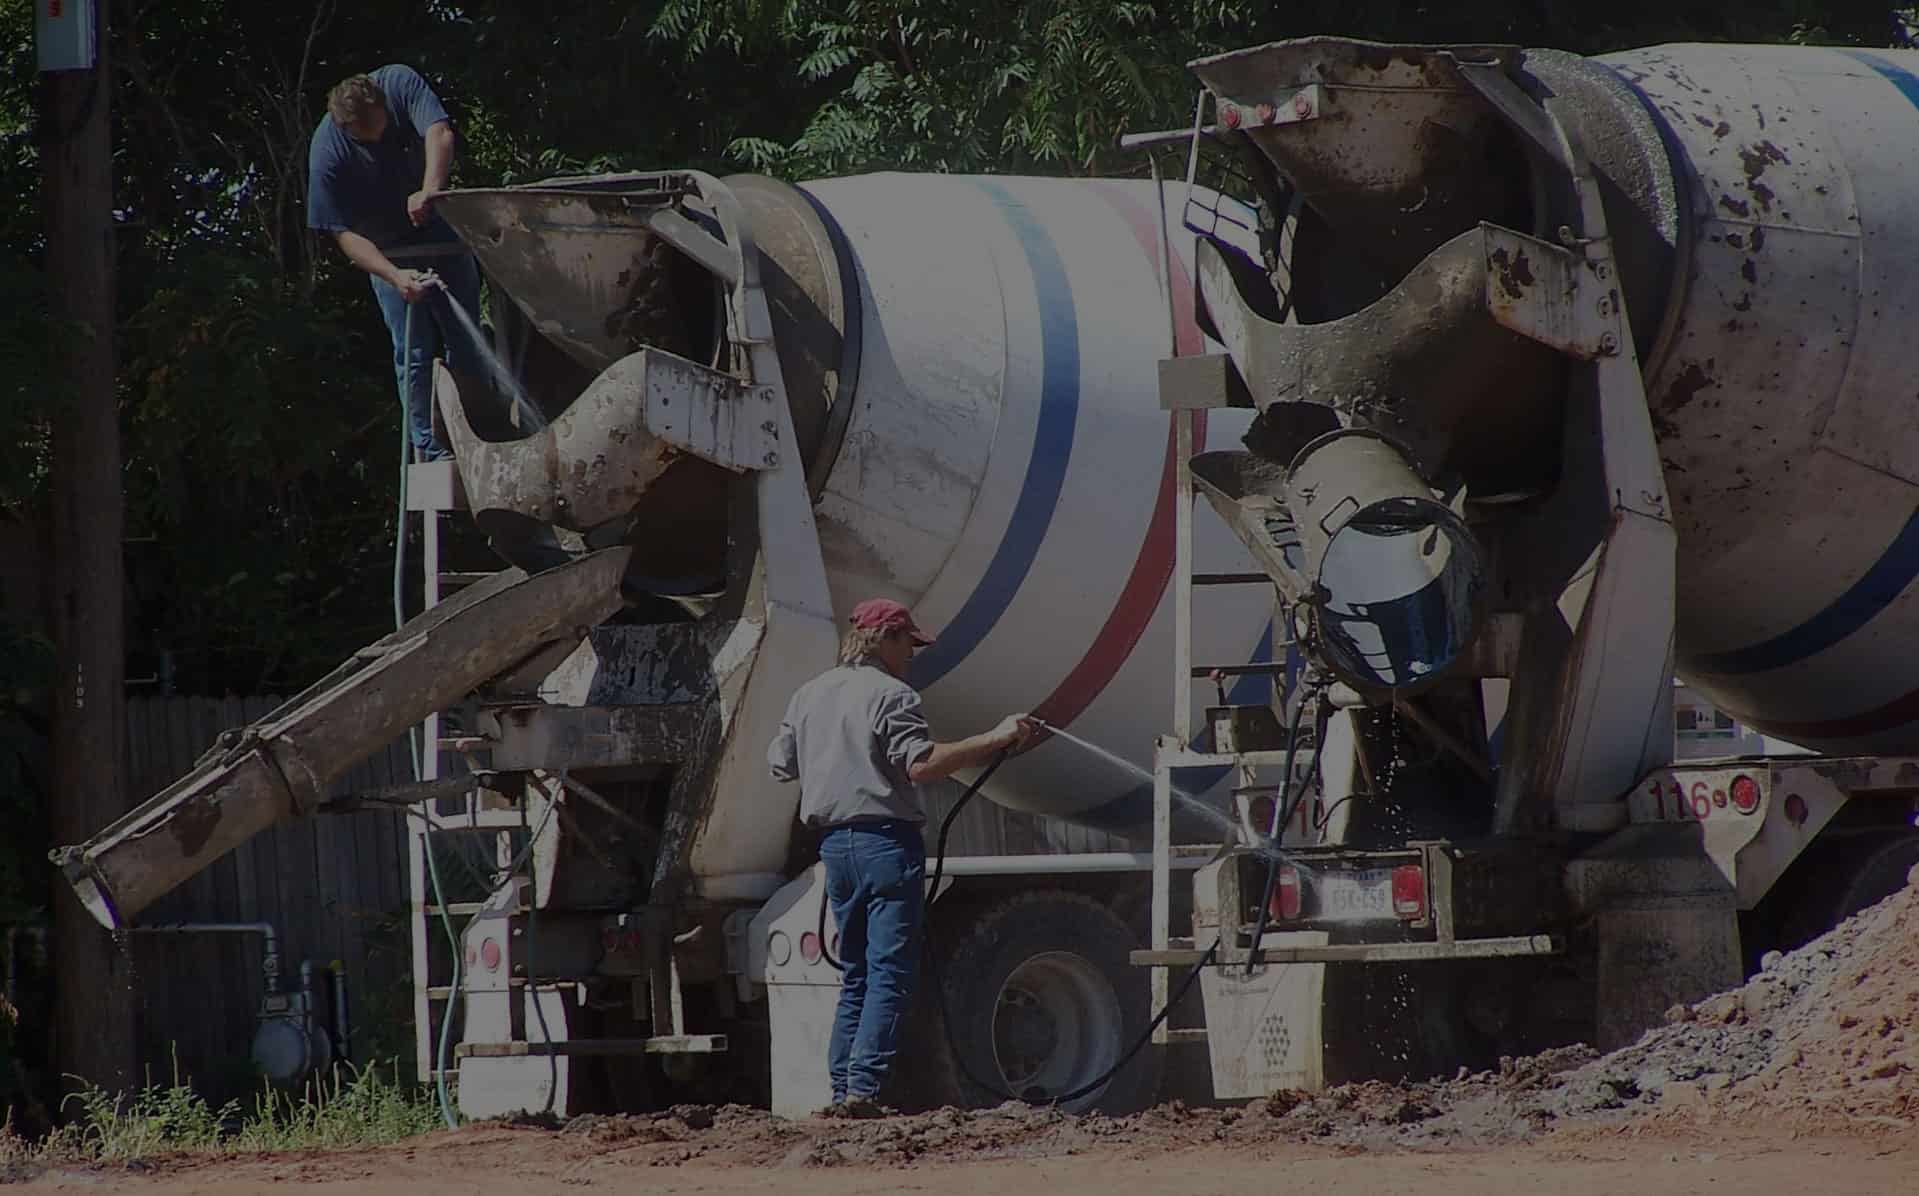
[94, 1028]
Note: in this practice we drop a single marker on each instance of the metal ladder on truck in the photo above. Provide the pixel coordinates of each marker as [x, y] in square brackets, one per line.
[433, 492]
[738, 420]
[1231, 725]
[1247, 740]
[1178, 751]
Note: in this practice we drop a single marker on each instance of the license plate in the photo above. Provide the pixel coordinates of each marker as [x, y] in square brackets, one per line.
[1361, 896]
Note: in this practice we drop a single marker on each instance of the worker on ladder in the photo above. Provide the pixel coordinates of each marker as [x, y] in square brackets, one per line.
[857, 741]
[380, 155]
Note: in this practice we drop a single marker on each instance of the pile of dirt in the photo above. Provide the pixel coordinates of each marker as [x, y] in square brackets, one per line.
[1824, 1039]
[1823, 1042]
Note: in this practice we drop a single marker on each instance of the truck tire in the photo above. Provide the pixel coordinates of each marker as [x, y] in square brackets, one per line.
[1833, 879]
[1880, 872]
[1042, 999]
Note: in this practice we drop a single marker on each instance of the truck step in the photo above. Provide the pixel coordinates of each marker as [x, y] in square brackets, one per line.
[1491, 948]
[467, 909]
[1231, 579]
[469, 821]
[674, 1044]
[1202, 671]
[442, 992]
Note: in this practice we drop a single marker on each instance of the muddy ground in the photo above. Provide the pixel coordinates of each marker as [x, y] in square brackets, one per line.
[1807, 1078]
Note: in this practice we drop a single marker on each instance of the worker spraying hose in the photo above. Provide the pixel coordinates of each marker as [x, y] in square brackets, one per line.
[377, 161]
[856, 740]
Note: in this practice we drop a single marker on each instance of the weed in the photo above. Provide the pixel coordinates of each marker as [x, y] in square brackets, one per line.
[155, 1120]
[347, 1109]
[363, 1110]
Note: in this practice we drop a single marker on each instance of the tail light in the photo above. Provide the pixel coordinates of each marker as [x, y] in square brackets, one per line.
[1409, 891]
[1745, 794]
[1285, 903]
[810, 947]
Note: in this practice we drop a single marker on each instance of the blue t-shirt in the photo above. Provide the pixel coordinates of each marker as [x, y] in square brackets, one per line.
[363, 187]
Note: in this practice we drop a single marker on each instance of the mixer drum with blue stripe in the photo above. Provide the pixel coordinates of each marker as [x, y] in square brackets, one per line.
[1764, 219]
[1781, 384]
[971, 367]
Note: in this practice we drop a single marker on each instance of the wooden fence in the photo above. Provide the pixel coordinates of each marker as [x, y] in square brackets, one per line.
[335, 888]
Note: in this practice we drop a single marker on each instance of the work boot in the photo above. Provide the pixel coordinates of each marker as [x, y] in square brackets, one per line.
[834, 1110]
[861, 1108]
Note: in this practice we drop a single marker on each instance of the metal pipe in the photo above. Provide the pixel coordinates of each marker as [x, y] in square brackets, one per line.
[340, 1027]
[269, 946]
[306, 983]
[415, 794]
[1158, 137]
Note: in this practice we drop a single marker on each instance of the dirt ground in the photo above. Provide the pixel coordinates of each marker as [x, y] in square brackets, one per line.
[1805, 1079]
[1233, 1158]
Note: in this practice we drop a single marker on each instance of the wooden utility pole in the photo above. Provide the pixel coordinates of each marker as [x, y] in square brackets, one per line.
[93, 1030]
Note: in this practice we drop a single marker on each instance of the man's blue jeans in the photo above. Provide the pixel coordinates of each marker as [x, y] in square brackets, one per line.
[436, 332]
[876, 881]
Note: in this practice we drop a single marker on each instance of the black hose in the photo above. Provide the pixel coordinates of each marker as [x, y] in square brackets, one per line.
[820, 930]
[939, 985]
[1282, 814]
[939, 867]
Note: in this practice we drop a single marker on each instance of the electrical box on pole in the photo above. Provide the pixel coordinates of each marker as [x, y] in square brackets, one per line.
[64, 32]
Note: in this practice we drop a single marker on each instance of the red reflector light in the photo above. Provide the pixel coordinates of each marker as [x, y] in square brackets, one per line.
[1745, 794]
[1409, 891]
[490, 954]
[810, 947]
[1285, 902]
[1796, 811]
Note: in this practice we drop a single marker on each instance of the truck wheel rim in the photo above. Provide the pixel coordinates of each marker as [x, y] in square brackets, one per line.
[1056, 1026]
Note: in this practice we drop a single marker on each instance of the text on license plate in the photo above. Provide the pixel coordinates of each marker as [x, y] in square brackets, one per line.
[1359, 896]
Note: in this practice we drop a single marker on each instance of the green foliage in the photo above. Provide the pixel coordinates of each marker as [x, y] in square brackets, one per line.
[941, 85]
[106, 1128]
[266, 469]
[957, 86]
[358, 1109]
[349, 1109]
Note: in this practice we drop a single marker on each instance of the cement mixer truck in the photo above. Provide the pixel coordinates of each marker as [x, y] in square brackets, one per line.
[762, 404]
[1571, 373]
[1504, 393]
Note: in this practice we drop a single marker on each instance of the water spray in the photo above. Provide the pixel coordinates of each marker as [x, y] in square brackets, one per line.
[1268, 848]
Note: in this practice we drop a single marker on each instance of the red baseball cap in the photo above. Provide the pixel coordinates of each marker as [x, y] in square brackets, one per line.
[884, 614]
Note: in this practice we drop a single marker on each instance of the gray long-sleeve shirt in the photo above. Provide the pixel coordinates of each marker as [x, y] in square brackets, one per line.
[848, 738]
